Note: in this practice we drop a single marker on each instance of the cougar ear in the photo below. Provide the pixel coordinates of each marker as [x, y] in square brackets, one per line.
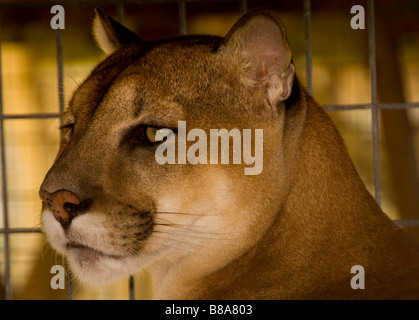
[258, 43]
[111, 35]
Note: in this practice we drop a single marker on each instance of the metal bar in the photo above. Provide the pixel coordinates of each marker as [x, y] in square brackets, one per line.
[243, 6]
[347, 107]
[371, 50]
[60, 70]
[30, 116]
[39, 230]
[131, 284]
[309, 66]
[21, 230]
[369, 106]
[407, 223]
[69, 282]
[120, 12]
[8, 286]
[342, 107]
[131, 289]
[61, 107]
[374, 101]
[182, 18]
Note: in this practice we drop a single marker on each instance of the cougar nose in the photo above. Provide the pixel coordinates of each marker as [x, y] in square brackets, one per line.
[64, 205]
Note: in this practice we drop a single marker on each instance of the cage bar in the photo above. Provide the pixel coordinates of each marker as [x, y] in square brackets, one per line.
[369, 106]
[243, 6]
[131, 287]
[131, 283]
[7, 281]
[120, 12]
[182, 18]
[374, 101]
[309, 65]
[60, 70]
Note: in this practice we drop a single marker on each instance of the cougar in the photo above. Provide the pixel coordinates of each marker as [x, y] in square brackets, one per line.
[206, 230]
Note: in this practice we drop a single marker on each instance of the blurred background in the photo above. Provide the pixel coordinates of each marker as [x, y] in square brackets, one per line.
[340, 76]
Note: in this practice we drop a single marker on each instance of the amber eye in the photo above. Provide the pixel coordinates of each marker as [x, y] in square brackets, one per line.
[67, 131]
[144, 136]
[155, 135]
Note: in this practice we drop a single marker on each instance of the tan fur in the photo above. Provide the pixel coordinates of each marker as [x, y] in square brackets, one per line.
[292, 232]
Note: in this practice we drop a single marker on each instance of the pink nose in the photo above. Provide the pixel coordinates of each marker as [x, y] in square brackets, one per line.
[64, 205]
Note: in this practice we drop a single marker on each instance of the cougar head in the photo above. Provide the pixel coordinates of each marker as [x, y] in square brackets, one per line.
[112, 209]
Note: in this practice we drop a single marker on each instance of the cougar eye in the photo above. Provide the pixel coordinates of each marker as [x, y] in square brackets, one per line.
[68, 122]
[67, 130]
[157, 134]
[147, 135]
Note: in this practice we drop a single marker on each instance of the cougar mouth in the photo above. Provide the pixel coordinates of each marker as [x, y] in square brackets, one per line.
[89, 251]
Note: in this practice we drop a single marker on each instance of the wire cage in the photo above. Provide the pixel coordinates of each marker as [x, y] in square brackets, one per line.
[7, 230]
